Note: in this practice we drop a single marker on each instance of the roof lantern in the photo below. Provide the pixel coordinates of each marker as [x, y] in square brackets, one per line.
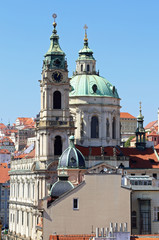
[72, 157]
[61, 186]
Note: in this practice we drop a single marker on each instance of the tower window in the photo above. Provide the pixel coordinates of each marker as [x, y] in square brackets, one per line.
[113, 128]
[44, 100]
[87, 67]
[58, 145]
[57, 100]
[107, 128]
[94, 127]
[82, 68]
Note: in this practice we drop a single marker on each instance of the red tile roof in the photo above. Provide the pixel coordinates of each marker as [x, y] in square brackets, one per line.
[4, 176]
[2, 126]
[89, 236]
[153, 133]
[95, 151]
[72, 237]
[23, 155]
[151, 124]
[6, 139]
[138, 158]
[4, 151]
[26, 121]
[141, 158]
[126, 115]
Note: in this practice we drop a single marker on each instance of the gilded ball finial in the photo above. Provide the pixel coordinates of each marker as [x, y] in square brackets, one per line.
[54, 17]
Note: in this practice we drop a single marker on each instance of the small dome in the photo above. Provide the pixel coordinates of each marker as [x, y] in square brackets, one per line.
[92, 85]
[60, 187]
[71, 157]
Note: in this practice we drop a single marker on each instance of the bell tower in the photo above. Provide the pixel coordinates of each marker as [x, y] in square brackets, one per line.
[140, 132]
[55, 123]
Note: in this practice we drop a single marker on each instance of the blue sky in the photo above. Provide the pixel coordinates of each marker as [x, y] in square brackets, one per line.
[123, 34]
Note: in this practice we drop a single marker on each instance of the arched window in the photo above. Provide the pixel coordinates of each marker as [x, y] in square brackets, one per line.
[57, 100]
[113, 128]
[94, 127]
[87, 67]
[82, 68]
[43, 100]
[107, 128]
[58, 146]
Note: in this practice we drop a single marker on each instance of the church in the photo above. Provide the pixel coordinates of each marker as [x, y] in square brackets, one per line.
[84, 109]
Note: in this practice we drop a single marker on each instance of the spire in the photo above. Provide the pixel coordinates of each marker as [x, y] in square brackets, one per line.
[140, 131]
[85, 53]
[85, 37]
[54, 57]
[140, 114]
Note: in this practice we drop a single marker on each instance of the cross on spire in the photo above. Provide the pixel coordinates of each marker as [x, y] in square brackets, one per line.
[85, 27]
[54, 16]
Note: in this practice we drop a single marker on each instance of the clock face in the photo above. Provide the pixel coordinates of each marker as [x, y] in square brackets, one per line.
[57, 76]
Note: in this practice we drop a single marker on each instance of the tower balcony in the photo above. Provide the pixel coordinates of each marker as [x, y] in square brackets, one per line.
[64, 123]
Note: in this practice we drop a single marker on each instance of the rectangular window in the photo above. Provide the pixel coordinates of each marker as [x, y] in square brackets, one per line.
[133, 219]
[75, 203]
[22, 218]
[2, 192]
[154, 175]
[156, 213]
[17, 216]
[27, 219]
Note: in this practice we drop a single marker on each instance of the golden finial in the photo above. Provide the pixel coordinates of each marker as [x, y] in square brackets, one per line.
[140, 105]
[54, 17]
[85, 27]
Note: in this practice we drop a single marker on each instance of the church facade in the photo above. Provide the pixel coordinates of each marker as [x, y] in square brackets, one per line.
[87, 106]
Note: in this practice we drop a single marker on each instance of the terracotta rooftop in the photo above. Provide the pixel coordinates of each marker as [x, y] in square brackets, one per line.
[89, 236]
[151, 124]
[23, 155]
[4, 151]
[126, 115]
[25, 121]
[2, 126]
[153, 133]
[138, 158]
[4, 176]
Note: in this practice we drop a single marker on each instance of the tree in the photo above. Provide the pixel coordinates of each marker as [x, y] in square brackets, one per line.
[127, 143]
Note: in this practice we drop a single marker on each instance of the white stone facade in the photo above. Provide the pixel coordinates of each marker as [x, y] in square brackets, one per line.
[105, 109]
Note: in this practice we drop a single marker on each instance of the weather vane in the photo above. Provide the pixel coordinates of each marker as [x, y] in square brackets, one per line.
[85, 27]
[54, 16]
[140, 104]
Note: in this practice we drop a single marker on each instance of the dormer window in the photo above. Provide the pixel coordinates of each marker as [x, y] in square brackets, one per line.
[94, 87]
[87, 67]
[82, 68]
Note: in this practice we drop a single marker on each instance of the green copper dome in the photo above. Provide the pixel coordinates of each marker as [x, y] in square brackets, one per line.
[92, 85]
[86, 81]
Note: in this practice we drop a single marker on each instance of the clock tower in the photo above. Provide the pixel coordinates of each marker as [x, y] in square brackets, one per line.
[54, 123]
